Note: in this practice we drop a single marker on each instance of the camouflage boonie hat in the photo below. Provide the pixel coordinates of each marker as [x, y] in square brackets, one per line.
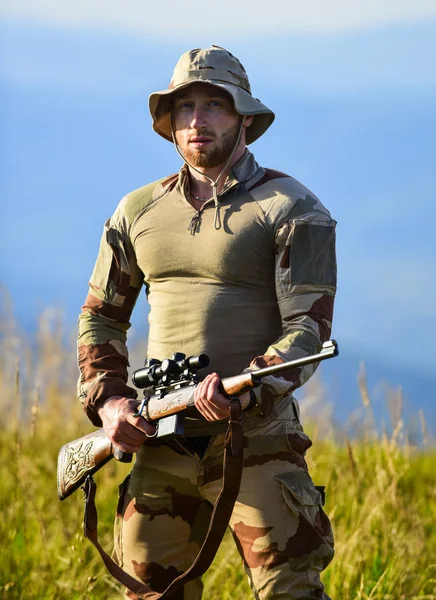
[218, 67]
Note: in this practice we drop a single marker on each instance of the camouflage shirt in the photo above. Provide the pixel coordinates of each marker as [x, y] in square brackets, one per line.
[254, 286]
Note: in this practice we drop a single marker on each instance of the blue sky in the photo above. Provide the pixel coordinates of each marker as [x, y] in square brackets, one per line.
[355, 122]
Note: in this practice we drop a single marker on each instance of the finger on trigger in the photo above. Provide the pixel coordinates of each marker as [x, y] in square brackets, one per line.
[133, 434]
[141, 426]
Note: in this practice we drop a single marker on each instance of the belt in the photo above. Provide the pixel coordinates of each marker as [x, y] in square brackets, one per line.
[291, 402]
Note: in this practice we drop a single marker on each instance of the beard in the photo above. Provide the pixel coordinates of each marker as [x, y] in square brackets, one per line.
[215, 156]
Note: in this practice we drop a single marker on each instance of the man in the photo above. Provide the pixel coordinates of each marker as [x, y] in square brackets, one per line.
[238, 262]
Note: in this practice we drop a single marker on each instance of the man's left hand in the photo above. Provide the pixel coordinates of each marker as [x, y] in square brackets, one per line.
[211, 403]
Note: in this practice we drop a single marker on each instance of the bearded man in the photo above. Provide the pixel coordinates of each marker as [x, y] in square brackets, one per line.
[238, 262]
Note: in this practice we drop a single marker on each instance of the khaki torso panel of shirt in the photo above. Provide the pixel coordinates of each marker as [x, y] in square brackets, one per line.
[256, 290]
[211, 292]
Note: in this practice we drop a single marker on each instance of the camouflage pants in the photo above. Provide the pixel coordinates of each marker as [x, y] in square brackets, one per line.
[278, 524]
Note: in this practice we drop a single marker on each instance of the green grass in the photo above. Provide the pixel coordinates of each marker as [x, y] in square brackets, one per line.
[381, 496]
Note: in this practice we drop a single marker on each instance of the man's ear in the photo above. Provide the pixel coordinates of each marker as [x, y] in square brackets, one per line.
[248, 121]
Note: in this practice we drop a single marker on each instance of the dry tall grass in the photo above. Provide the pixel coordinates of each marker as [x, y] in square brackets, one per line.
[381, 493]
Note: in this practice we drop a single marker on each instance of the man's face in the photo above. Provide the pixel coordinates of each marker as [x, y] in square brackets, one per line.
[206, 124]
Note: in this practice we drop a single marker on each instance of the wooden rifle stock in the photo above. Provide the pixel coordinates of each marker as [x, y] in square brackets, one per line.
[83, 457]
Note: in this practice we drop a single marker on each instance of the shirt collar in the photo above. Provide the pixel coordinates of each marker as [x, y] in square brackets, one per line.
[245, 168]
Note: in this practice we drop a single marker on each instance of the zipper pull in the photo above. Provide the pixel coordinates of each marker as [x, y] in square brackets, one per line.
[194, 225]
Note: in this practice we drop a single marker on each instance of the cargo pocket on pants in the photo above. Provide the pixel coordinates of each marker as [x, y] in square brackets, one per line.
[310, 544]
[117, 554]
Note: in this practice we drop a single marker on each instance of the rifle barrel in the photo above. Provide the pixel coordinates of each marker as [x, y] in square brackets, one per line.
[329, 349]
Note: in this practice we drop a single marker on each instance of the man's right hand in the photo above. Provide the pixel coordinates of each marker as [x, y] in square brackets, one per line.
[125, 431]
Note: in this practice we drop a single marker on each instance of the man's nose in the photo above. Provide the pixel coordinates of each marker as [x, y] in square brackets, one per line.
[198, 118]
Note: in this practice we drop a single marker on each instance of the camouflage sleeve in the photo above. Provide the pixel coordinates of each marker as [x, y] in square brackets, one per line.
[102, 352]
[305, 286]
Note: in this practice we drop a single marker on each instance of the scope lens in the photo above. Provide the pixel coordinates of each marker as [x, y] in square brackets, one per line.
[198, 362]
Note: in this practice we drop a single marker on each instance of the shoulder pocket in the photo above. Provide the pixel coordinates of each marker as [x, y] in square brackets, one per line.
[306, 253]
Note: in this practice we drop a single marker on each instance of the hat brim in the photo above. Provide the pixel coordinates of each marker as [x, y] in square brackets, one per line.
[245, 104]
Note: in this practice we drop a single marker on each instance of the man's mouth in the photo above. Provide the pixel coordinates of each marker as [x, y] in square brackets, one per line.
[200, 141]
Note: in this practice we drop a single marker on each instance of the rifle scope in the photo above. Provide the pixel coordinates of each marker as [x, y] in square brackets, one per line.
[169, 370]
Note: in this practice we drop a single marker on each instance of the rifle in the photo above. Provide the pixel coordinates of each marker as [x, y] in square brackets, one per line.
[173, 381]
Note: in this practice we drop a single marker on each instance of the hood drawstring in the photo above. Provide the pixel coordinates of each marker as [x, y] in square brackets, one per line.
[217, 220]
[194, 225]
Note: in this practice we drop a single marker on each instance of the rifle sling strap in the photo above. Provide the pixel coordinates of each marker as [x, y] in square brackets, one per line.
[222, 511]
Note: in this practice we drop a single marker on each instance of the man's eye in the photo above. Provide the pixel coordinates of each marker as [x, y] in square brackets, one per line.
[185, 105]
[215, 103]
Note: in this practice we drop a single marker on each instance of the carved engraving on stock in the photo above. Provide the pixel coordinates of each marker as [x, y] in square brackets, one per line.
[78, 460]
[173, 401]
[81, 458]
